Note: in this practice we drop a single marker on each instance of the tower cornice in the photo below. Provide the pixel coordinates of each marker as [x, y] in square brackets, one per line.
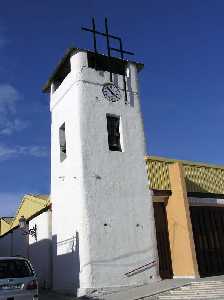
[65, 60]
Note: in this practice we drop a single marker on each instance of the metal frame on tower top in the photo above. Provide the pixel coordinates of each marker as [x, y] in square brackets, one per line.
[109, 36]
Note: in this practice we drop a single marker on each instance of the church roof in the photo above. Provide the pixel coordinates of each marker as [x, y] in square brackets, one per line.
[64, 60]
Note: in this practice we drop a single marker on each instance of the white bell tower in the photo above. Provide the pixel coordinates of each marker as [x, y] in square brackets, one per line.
[102, 223]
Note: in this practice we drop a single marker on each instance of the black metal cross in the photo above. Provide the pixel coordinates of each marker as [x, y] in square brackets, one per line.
[109, 36]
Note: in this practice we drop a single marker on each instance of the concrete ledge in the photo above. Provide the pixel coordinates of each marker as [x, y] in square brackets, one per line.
[148, 290]
[156, 288]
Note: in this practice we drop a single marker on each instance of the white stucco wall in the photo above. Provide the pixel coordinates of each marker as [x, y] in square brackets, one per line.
[99, 195]
[40, 250]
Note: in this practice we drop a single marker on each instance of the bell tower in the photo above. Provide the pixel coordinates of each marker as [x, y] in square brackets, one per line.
[102, 220]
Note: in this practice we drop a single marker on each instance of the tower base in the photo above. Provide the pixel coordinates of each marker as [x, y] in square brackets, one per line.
[100, 292]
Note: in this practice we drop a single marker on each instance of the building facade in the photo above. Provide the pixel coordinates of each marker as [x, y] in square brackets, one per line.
[189, 214]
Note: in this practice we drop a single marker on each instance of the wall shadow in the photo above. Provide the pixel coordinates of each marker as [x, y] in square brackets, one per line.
[197, 190]
[55, 270]
[40, 255]
[66, 266]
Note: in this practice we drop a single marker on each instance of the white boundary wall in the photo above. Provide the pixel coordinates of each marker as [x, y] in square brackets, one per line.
[39, 252]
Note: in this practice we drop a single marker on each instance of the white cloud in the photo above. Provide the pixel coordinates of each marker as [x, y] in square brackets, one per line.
[8, 98]
[12, 152]
[6, 152]
[9, 122]
[11, 126]
[36, 151]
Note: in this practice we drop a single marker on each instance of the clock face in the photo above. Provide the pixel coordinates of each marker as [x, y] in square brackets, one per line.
[111, 92]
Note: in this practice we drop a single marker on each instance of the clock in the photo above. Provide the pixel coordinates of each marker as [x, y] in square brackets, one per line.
[111, 92]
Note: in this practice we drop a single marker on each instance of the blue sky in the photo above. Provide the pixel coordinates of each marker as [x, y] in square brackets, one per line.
[182, 85]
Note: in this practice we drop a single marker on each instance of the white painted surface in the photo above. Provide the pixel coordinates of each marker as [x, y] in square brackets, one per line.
[66, 186]
[40, 250]
[94, 186]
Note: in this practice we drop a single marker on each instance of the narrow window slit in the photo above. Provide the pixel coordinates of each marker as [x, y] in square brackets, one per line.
[62, 141]
[113, 129]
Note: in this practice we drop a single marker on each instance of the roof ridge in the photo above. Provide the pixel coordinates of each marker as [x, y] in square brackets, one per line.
[44, 197]
[184, 162]
[8, 220]
[33, 198]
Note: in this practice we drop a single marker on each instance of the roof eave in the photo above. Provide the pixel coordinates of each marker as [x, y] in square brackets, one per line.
[47, 86]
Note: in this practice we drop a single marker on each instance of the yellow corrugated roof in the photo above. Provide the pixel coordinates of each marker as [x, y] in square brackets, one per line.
[200, 177]
[8, 220]
[30, 206]
[4, 226]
